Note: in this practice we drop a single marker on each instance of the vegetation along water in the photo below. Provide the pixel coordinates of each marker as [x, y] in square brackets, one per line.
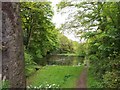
[63, 44]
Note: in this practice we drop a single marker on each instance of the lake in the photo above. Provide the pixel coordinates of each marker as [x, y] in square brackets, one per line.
[60, 60]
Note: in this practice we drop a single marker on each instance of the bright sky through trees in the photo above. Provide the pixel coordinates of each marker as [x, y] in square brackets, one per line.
[60, 18]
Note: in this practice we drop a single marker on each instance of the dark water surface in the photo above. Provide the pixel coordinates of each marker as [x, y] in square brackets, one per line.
[61, 60]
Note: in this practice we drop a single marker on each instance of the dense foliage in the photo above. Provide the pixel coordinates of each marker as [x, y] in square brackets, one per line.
[41, 38]
[101, 31]
[97, 23]
[40, 35]
[103, 43]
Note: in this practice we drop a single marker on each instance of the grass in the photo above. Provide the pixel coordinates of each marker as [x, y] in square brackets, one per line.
[92, 82]
[64, 76]
[4, 85]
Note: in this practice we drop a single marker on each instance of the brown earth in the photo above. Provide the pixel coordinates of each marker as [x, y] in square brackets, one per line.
[82, 82]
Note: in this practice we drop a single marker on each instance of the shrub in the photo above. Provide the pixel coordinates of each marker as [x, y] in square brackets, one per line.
[111, 79]
[29, 64]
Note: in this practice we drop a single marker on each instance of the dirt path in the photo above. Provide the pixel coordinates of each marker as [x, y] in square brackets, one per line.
[82, 82]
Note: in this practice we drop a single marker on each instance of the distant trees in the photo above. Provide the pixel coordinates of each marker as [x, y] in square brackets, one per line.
[65, 44]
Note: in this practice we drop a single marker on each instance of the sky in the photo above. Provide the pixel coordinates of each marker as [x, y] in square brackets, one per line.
[59, 19]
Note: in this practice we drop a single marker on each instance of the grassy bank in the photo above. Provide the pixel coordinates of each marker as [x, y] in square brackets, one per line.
[92, 82]
[55, 76]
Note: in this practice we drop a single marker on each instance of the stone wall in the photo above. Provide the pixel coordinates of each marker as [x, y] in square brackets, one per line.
[12, 46]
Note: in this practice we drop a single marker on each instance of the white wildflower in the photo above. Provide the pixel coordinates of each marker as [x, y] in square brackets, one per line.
[49, 86]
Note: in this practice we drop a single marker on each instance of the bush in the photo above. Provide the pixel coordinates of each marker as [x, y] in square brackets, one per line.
[111, 80]
[4, 84]
[29, 64]
[93, 57]
[92, 81]
[28, 59]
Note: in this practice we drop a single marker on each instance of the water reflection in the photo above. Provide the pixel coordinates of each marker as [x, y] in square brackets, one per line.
[60, 60]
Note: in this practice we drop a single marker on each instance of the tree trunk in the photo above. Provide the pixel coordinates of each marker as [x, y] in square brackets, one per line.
[12, 46]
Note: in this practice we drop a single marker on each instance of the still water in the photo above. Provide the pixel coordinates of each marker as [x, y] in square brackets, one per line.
[60, 60]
